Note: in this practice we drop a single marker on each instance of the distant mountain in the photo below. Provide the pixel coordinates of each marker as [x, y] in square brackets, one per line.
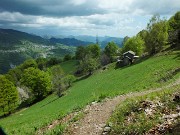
[10, 38]
[69, 41]
[103, 41]
[17, 46]
[107, 39]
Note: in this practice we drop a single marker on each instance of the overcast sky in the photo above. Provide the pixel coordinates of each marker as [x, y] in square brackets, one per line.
[83, 17]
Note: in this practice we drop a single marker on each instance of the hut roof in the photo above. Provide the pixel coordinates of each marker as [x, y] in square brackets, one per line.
[131, 52]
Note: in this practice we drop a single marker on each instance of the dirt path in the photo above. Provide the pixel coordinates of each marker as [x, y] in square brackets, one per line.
[97, 114]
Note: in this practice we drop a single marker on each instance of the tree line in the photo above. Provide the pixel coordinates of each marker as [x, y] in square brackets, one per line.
[38, 78]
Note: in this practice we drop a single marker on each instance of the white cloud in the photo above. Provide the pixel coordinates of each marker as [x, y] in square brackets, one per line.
[105, 17]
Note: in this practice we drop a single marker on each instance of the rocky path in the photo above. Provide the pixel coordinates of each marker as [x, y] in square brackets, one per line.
[97, 114]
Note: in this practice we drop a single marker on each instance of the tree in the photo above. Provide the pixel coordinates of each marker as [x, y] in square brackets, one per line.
[14, 75]
[174, 30]
[135, 44]
[37, 81]
[88, 57]
[29, 63]
[8, 95]
[94, 51]
[125, 39]
[111, 50]
[42, 63]
[156, 35]
[53, 61]
[174, 22]
[104, 59]
[80, 52]
[58, 75]
[88, 65]
[67, 57]
[143, 34]
[69, 79]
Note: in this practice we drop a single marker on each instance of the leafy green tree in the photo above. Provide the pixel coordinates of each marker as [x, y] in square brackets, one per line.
[135, 44]
[53, 61]
[67, 57]
[143, 34]
[156, 35]
[104, 59]
[80, 52]
[89, 58]
[94, 51]
[57, 75]
[37, 81]
[174, 22]
[42, 63]
[88, 65]
[14, 75]
[111, 50]
[174, 30]
[8, 95]
[125, 39]
[29, 63]
[69, 79]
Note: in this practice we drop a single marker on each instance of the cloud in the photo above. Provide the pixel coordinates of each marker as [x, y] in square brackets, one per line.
[111, 17]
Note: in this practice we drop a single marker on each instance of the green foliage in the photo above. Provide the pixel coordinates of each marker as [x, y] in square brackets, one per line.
[143, 34]
[42, 63]
[94, 51]
[67, 57]
[58, 75]
[14, 75]
[88, 65]
[157, 35]
[89, 58]
[37, 81]
[8, 95]
[111, 50]
[174, 30]
[111, 82]
[29, 63]
[125, 39]
[69, 67]
[69, 79]
[174, 22]
[80, 52]
[130, 117]
[135, 44]
[53, 61]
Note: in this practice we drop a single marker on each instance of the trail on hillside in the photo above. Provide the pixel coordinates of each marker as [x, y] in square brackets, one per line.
[96, 115]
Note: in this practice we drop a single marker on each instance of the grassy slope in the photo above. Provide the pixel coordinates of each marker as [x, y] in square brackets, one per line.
[111, 82]
[69, 67]
[128, 119]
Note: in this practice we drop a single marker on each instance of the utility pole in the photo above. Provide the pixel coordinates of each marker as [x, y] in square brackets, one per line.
[97, 40]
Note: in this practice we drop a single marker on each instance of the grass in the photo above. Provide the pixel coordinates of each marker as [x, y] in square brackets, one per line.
[69, 67]
[131, 118]
[111, 82]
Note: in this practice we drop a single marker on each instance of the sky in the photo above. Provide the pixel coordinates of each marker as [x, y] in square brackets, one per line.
[117, 18]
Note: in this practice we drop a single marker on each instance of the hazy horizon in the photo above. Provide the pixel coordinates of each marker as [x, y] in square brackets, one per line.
[82, 17]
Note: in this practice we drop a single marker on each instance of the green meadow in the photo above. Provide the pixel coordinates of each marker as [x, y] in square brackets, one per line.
[146, 74]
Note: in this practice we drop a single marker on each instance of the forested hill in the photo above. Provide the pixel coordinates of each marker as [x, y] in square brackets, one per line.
[10, 37]
[69, 41]
[17, 46]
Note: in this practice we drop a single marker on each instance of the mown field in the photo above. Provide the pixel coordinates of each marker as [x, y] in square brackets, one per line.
[153, 72]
